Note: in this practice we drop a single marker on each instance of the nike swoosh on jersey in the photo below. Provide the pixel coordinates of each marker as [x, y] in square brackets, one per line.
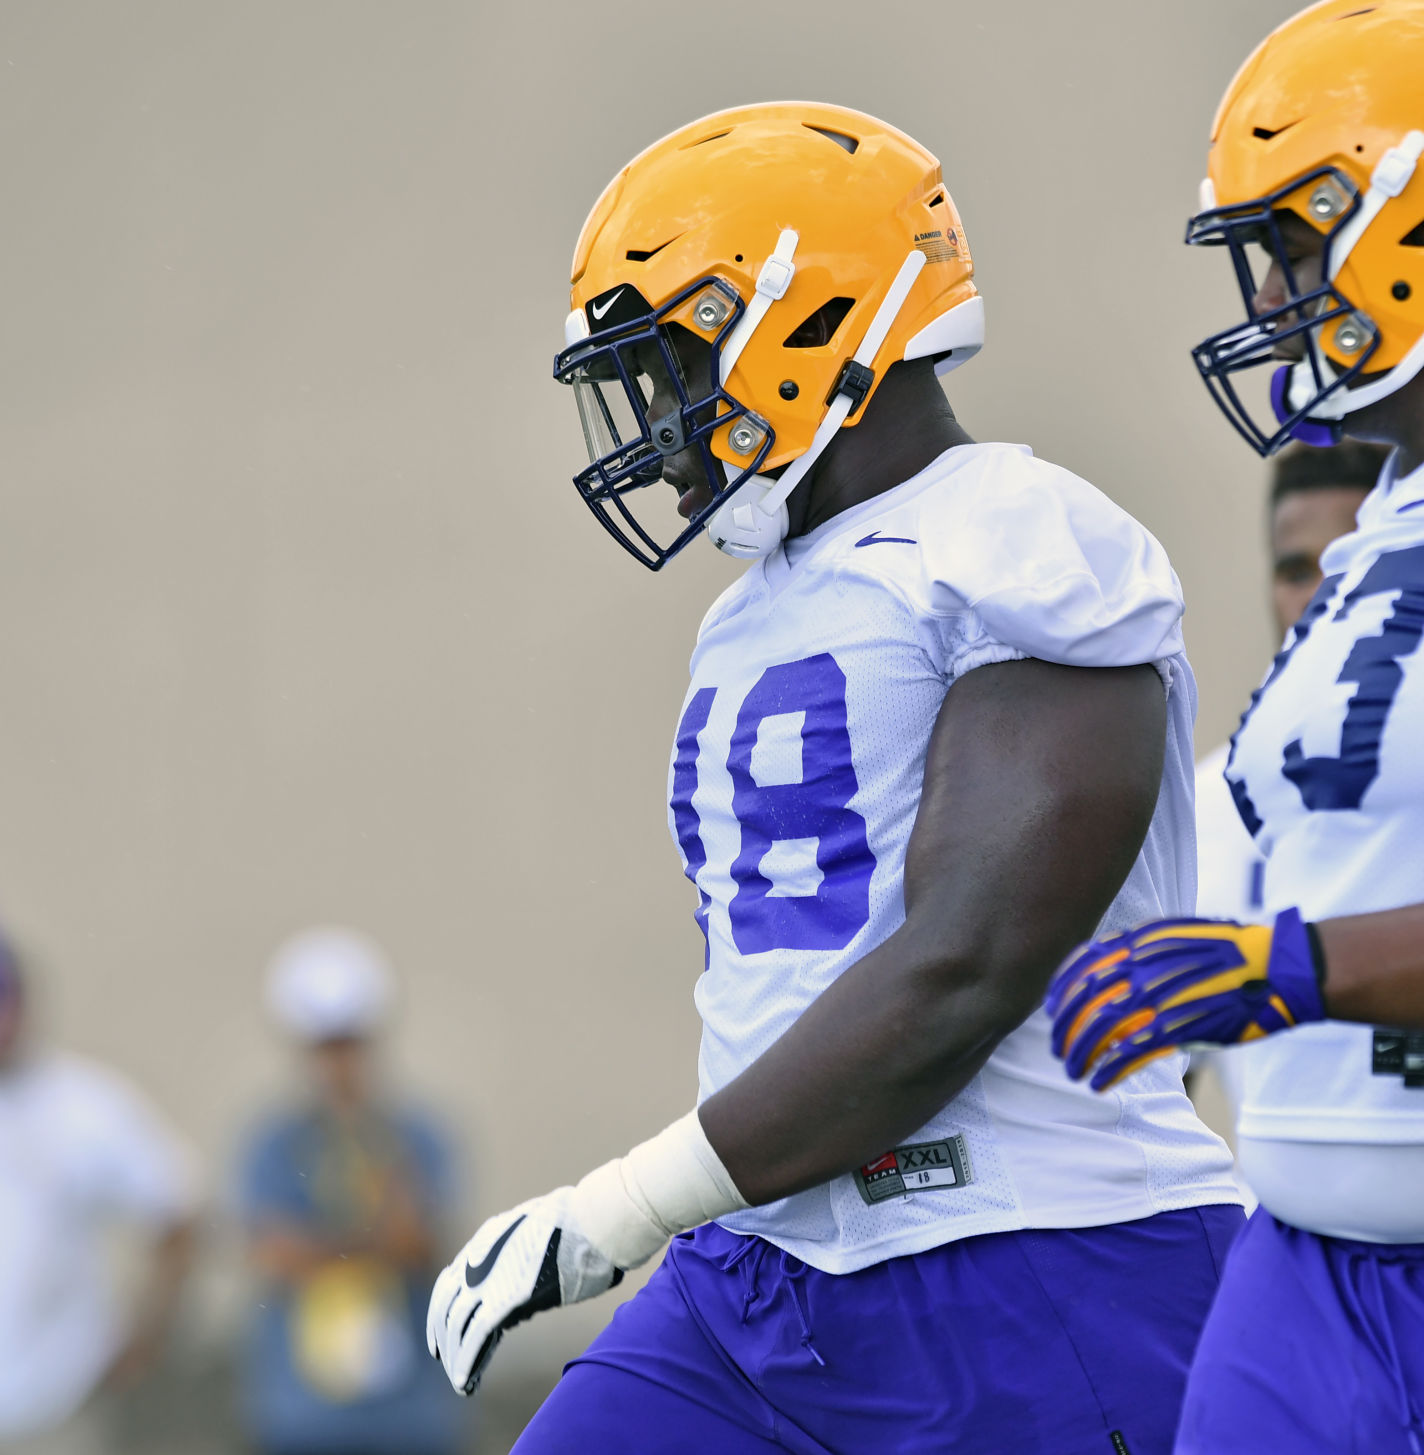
[477, 1274]
[876, 539]
[598, 312]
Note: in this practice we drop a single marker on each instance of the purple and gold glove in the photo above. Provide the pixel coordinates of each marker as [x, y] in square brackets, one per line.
[1122, 1002]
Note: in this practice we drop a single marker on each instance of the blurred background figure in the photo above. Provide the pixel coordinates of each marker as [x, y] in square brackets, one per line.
[1315, 495]
[81, 1154]
[341, 1196]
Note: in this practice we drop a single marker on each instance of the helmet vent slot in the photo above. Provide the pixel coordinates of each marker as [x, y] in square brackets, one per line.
[820, 328]
[1414, 238]
[638, 255]
[703, 140]
[846, 143]
[1265, 133]
[936, 199]
[1351, 14]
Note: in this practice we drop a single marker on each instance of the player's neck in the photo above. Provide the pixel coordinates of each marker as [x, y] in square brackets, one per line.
[1411, 446]
[1397, 419]
[908, 423]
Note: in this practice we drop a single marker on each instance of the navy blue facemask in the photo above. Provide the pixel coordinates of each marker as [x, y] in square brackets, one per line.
[1296, 390]
[639, 412]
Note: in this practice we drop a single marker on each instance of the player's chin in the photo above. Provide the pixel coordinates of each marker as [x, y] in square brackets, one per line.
[692, 496]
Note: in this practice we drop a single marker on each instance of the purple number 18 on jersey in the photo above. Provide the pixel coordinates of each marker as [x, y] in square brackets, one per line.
[816, 809]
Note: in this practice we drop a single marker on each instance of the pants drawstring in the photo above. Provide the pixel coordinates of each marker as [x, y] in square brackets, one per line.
[792, 1269]
[749, 1258]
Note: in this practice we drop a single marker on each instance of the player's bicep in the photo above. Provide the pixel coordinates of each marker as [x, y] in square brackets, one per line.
[1040, 784]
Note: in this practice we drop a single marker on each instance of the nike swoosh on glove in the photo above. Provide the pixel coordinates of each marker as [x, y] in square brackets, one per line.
[1122, 1002]
[574, 1243]
[518, 1264]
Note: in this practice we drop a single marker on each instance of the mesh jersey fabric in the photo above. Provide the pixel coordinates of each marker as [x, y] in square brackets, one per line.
[1230, 884]
[1230, 869]
[794, 784]
[1327, 772]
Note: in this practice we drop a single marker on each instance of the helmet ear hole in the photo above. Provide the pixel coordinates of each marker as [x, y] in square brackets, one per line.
[817, 330]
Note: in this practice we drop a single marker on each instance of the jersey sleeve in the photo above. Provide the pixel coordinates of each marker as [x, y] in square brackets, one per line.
[1032, 561]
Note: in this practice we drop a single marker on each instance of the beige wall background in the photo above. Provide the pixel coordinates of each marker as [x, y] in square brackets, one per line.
[300, 617]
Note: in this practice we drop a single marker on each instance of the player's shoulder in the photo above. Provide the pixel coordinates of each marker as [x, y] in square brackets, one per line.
[94, 1102]
[1047, 562]
[277, 1142]
[728, 603]
[1390, 519]
[1005, 495]
[983, 511]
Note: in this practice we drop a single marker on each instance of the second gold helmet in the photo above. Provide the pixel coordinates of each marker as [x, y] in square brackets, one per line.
[1324, 121]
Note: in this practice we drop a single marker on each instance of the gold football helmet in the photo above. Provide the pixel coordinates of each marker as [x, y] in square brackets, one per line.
[738, 292]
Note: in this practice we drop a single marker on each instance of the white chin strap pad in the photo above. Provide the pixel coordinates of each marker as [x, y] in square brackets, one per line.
[744, 527]
[753, 522]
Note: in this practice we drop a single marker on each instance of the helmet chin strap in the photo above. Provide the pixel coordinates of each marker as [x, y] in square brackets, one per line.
[753, 522]
[1389, 178]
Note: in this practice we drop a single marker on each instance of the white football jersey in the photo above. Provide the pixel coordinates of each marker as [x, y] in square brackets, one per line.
[1328, 773]
[1231, 870]
[795, 781]
[1231, 884]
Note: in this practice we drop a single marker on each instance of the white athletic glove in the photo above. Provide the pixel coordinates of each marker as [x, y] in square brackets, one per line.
[573, 1243]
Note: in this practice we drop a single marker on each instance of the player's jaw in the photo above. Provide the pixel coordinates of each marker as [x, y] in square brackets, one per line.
[687, 474]
[692, 495]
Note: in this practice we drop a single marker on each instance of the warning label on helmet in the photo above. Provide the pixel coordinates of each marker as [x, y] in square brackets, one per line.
[938, 246]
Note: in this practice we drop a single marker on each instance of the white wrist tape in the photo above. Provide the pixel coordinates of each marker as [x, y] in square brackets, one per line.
[630, 1207]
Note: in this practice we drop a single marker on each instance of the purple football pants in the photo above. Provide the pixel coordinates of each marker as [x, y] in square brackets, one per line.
[1315, 1345]
[1070, 1342]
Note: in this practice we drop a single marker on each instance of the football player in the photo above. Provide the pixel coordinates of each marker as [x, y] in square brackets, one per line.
[950, 681]
[1314, 496]
[1317, 1340]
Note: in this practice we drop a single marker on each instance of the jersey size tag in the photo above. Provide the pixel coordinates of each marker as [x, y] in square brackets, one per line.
[916, 1168]
[1399, 1053]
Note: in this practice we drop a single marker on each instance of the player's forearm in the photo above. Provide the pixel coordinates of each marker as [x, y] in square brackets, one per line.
[1375, 967]
[870, 1061]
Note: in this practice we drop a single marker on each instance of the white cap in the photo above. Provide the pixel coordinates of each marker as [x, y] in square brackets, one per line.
[329, 983]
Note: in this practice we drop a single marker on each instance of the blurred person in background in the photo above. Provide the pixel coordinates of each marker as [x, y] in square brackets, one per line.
[341, 1196]
[1315, 494]
[81, 1153]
